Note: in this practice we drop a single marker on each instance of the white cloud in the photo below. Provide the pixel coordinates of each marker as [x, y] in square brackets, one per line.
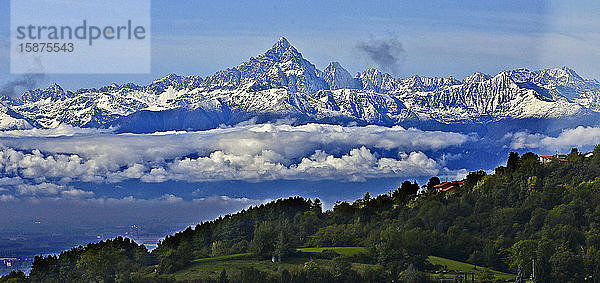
[63, 130]
[357, 165]
[577, 137]
[7, 197]
[76, 193]
[250, 152]
[226, 199]
[52, 190]
[76, 196]
[169, 198]
[40, 189]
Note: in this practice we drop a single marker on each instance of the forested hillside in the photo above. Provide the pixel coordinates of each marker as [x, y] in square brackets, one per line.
[526, 214]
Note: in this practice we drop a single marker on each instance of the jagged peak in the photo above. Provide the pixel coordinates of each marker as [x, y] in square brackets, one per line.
[282, 49]
[171, 76]
[477, 77]
[55, 87]
[504, 76]
[168, 77]
[571, 72]
[564, 74]
[52, 91]
[567, 69]
[338, 77]
[371, 72]
[334, 66]
[282, 42]
[415, 81]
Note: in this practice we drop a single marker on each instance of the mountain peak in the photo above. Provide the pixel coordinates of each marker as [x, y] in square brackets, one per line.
[564, 75]
[334, 66]
[337, 77]
[282, 42]
[477, 77]
[282, 49]
[572, 73]
[55, 87]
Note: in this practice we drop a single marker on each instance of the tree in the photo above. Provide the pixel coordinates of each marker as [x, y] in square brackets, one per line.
[217, 248]
[104, 264]
[184, 255]
[473, 178]
[574, 152]
[406, 190]
[240, 247]
[395, 246]
[366, 197]
[342, 270]
[15, 276]
[263, 243]
[513, 161]
[543, 267]
[566, 266]
[336, 235]
[283, 246]
[522, 254]
[312, 270]
[409, 188]
[317, 206]
[432, 182]
[174, 260]
[596, 153]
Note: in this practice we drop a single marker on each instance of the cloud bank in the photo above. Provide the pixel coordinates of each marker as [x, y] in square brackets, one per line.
[44, 163]
[577, 137]
[257, 152]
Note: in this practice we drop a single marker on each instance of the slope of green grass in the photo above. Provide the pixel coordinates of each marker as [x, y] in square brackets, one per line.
[450, 265]
[212, 266]
[223, 257]
[233, 264]
[350, 251]
[453, 265]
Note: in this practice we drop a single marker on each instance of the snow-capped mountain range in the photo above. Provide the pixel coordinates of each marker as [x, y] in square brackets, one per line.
[282, 84]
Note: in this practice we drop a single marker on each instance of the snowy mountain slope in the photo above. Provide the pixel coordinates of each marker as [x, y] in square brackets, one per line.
[280, 83]
[281, 66]
[338, 78]
[10, 120]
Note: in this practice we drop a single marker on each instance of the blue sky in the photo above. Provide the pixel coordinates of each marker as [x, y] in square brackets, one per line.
[440, 38]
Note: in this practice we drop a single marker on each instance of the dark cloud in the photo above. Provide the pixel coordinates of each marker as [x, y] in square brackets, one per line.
[387, 53]
[23, 83]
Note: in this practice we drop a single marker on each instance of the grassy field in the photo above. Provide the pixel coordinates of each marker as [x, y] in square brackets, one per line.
[212, 266]
[451, 266]
[350, 251]
[223, 257]
[462, 267]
